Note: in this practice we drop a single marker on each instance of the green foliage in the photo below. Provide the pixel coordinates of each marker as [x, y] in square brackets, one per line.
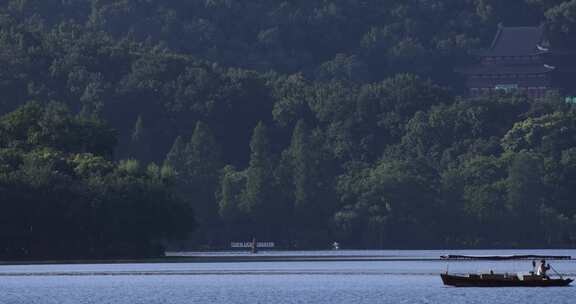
[561, 20]
[60, 201]
[549, 134]
[87, 164]
[128, 166]
[360, 134]
[391, 196]
[525, 186]
[176, 157]
[259, 175]
[52, 126]
[302, 166]
[232, 184]
[203, 153]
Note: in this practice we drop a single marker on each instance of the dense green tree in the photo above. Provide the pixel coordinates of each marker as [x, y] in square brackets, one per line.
[176, 157]
[259, 173]
[561, 21]
[62, 197]
[303, 167]
[363, 136]
[53, 126]
[233, 183]
[549, 134]
[201, 177]
[203, 154]
[393, 196]
[259, 199]
[526, 192]
[230, 199]
[139, 140]
[311, 186]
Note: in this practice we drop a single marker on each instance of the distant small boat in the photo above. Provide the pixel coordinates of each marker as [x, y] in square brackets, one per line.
[502, 280]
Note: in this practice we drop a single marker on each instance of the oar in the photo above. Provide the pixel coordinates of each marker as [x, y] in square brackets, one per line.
[560, 275]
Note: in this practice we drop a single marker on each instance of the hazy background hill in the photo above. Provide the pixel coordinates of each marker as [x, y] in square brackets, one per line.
[299, 122]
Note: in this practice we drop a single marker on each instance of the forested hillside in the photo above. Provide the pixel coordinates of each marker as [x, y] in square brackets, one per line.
[299, 122]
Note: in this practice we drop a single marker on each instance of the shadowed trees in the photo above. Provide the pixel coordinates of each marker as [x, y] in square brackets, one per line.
[62, 196]
[297, 122]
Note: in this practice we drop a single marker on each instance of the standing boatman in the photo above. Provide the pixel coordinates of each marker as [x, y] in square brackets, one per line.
[542, 268]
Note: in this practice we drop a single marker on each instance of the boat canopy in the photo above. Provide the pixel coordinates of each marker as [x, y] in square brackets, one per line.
[505, 257]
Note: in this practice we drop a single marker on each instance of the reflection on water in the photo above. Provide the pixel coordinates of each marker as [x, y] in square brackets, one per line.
[266, 282]
[284, 268]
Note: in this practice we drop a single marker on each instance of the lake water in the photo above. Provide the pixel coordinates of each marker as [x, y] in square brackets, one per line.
[415, 281]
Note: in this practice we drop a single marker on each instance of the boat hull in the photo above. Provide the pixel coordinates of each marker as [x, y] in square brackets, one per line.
[462, 281]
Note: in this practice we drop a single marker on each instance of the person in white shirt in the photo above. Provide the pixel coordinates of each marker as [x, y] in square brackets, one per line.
[542, 268]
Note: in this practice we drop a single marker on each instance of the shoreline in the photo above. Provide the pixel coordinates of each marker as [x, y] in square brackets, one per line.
[242, 257]
[223, 259]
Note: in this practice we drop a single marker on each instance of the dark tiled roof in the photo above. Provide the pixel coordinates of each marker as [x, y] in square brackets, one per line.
[517, 41]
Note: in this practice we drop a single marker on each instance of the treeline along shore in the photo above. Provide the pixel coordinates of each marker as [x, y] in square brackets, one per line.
[128, 127]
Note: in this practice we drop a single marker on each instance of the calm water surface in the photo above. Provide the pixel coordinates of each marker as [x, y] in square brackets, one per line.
[273, 282]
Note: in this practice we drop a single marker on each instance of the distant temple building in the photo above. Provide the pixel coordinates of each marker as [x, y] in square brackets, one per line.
[522, 59]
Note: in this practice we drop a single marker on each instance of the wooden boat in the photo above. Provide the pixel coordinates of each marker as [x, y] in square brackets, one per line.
[502, 280]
